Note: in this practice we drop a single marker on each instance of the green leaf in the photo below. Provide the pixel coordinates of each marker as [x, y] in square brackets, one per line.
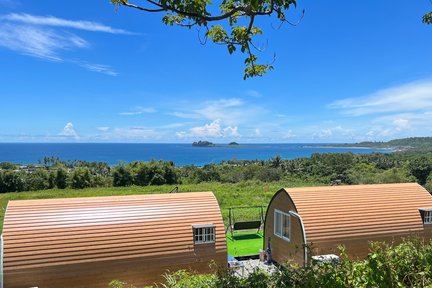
[427, 19]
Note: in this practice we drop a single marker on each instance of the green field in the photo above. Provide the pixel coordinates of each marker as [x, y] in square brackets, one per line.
[228, 195]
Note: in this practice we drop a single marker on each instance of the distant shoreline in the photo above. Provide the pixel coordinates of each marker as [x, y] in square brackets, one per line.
[354, 147]
[387, 148]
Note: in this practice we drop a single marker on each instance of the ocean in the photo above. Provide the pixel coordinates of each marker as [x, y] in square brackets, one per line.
[180, 154]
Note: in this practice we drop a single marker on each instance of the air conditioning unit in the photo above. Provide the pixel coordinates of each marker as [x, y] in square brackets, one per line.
[326, 258]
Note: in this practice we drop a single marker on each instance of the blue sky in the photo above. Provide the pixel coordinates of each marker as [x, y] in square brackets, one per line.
[350, 71]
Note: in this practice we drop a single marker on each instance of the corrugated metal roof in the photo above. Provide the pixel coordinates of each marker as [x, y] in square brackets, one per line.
[335, 212]
[43, 233]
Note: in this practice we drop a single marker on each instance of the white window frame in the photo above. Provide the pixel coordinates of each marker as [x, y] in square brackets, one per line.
[427, 219]
[276, 211]
[204, 234]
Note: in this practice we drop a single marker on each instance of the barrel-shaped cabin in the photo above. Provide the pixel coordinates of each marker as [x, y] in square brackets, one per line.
[88, 242]
[303, 222]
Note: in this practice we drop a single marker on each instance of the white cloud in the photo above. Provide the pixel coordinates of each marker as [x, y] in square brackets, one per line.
[406, 124]
[289, 134]
[173, 125]
[135, 133]
[225, 103]
[231, 111]
[336, 132]
[208, 130]
[138, 111]
[211, 130]
[400, 111]
[104, 69]
[41, 43]
[253, 93]
[401, 123]
[230, 132]
[103, 129]
[58, 22]
[181, 134]
[69, 131]
[324, 133]
[257, 132]
[45, 37]
[415, 96]
[379, 132]
[225, 110]
[185, 115]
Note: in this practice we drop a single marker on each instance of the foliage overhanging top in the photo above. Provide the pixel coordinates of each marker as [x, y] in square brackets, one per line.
[237, 16]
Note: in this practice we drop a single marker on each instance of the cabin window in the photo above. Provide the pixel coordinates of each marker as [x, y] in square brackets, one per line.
[282, 225]
[427, 217]
[204, 234]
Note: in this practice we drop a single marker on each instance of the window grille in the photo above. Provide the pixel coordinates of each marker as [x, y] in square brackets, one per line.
[204, 234]
[427, 217]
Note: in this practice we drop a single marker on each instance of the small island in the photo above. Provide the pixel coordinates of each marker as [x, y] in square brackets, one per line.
[203, 144]
[233, 144]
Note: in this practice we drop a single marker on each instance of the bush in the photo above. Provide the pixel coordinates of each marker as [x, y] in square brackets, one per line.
[122, 176]
[428, 184]
[269, 174]
[7, 166]
[12, 181]
[61, 179]
[81, 178]
[421, 168]
[186, 279]
[38, 180]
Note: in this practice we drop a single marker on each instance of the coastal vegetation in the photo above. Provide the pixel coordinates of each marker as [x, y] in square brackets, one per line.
[329, 168]
[412, 143]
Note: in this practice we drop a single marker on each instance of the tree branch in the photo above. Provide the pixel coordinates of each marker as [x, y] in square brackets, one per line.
[125, 3]
[187, 14]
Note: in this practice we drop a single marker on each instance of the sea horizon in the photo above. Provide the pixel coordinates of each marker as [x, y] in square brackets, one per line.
[186, 143]
[180, 153]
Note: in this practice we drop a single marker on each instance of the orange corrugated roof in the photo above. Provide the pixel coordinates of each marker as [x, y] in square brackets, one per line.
[335, 212]
[42, 233]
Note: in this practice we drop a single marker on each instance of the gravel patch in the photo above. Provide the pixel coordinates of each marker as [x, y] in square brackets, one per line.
[245, 267]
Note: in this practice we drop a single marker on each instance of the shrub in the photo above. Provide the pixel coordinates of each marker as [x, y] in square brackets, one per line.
[122, 176]
[428, 184]
[81, 178]
[61, 179]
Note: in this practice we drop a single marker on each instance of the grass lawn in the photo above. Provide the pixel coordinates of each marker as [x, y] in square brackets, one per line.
[227, 194]
[244, 243]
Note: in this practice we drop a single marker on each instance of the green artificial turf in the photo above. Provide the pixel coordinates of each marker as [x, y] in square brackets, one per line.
[244, 243]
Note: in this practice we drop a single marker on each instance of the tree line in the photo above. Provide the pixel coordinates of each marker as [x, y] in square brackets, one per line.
[328, 169]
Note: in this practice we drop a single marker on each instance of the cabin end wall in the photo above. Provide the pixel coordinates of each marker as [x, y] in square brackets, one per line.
[282, 250]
